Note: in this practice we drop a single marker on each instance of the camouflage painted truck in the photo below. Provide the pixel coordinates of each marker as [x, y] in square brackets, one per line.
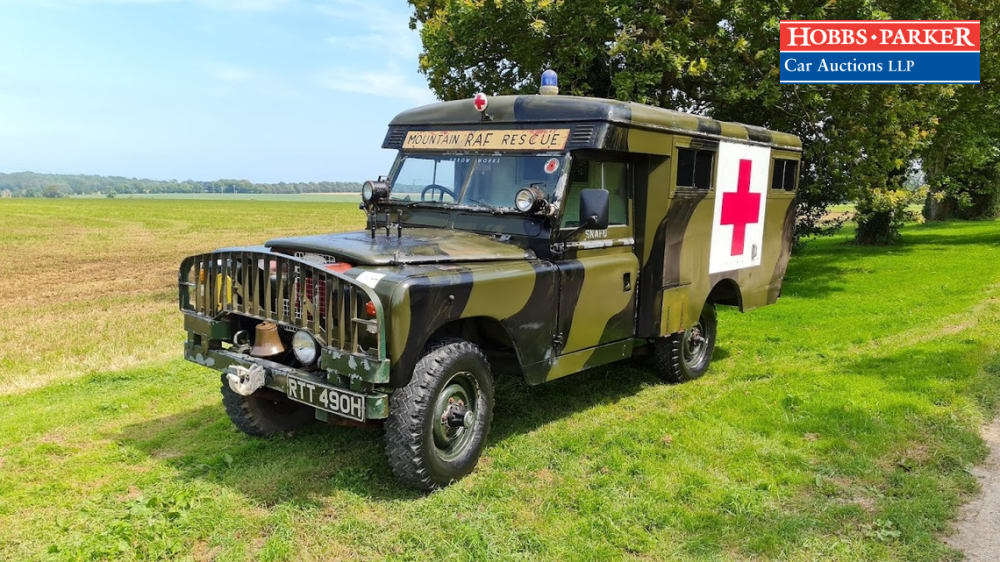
[537, 236]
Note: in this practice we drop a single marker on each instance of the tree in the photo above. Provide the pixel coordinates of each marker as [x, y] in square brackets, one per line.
[53, 191]
[719, 58]
[30, 184]
[963, 161]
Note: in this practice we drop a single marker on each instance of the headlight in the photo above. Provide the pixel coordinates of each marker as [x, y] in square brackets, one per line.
[529, 199]
[304, 347]
[373, 191]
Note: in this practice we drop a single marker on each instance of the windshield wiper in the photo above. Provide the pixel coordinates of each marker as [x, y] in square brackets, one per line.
[472, 206]
[481, 204]
[409, 204]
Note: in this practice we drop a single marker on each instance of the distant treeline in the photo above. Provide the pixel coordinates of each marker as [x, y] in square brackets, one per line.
[30, 184]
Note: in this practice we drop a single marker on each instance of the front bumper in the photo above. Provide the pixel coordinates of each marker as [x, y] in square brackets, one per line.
[276, 375]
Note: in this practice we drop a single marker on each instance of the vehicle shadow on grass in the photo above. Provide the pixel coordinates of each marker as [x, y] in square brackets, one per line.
[819, 269]
[984, 239]
[317, 461]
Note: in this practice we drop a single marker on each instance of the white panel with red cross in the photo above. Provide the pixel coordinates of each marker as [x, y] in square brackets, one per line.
[740, 198]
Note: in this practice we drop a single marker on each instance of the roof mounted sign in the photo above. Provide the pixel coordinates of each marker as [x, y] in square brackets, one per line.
[493, 139]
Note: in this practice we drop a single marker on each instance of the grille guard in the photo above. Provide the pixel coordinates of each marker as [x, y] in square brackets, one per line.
[265, 285]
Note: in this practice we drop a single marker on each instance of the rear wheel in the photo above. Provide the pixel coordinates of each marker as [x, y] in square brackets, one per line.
[438, 422]
[686, 355]
[264, 412]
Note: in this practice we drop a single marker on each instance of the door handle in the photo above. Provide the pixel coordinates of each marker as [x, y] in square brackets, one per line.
[627, 282]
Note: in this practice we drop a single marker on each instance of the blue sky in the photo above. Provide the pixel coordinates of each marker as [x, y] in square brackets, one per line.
[266, 90]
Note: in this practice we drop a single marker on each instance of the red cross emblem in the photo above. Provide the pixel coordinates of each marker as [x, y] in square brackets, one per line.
[740, 208]
[479, 102]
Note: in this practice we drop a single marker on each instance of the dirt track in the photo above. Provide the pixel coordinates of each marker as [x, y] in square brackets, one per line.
[978, 526]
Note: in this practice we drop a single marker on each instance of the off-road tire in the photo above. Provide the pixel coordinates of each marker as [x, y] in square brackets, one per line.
[410, 441]
[265, 412]
[668, 354]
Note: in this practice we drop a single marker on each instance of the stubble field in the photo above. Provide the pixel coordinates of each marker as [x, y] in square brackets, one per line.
[840, 423]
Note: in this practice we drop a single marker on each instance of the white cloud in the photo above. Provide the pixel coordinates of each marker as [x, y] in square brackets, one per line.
[230, 78]
[236, 74]
[245, 5]
[376, 15]
[393, 43]
[381, 35]
[389, 83]
[222, 5]
[380, 30]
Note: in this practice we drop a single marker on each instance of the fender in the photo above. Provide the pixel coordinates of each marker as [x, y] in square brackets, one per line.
[521, 295]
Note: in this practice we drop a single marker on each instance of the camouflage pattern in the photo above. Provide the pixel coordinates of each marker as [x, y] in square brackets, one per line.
[537, 307]
[421, 245]
[597, 123]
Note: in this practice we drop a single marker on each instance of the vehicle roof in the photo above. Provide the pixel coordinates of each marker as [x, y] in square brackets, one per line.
[566, 109]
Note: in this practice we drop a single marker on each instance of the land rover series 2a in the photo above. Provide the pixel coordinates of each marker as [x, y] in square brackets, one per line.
[537, 235]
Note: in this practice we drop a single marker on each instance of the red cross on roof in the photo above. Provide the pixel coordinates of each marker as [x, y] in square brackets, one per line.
[479, 101]
[740, 208]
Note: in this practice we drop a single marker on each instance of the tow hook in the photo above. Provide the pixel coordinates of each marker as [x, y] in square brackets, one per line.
[245, 380]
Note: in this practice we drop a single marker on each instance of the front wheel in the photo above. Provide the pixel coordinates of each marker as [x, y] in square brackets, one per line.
[686, 355]
[265, 412]
[438, 422]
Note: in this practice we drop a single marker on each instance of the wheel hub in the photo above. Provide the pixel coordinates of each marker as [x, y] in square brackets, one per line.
[695, 345]
[455, 415]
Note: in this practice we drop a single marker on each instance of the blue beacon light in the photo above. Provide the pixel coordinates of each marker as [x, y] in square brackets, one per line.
[550, 83]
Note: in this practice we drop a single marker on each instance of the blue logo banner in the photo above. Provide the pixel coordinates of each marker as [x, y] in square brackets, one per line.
[891, 68]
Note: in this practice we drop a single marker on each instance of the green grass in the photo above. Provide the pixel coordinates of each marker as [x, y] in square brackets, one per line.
[839, 423]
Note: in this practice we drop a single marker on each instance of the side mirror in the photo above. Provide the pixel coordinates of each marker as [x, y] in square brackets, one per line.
[594, 208]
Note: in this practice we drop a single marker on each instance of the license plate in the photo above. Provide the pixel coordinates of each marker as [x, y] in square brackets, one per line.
[327, 398]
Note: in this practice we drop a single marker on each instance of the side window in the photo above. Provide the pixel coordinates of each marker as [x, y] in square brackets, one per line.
[694, 168]
[615, 180]
[685, 167]
[597, 174]
[778, 174]
[791, 174]
[785, 174]
[703, 161]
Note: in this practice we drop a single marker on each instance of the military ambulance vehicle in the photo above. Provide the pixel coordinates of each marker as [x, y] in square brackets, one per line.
[537, 235]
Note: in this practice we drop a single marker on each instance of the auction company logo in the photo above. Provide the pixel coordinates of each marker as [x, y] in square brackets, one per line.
[879, 52]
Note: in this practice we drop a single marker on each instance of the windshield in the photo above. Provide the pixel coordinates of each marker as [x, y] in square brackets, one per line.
[472, 179]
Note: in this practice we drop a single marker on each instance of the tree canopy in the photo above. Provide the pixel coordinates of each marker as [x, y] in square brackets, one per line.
[963, 159]
[715, 57]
